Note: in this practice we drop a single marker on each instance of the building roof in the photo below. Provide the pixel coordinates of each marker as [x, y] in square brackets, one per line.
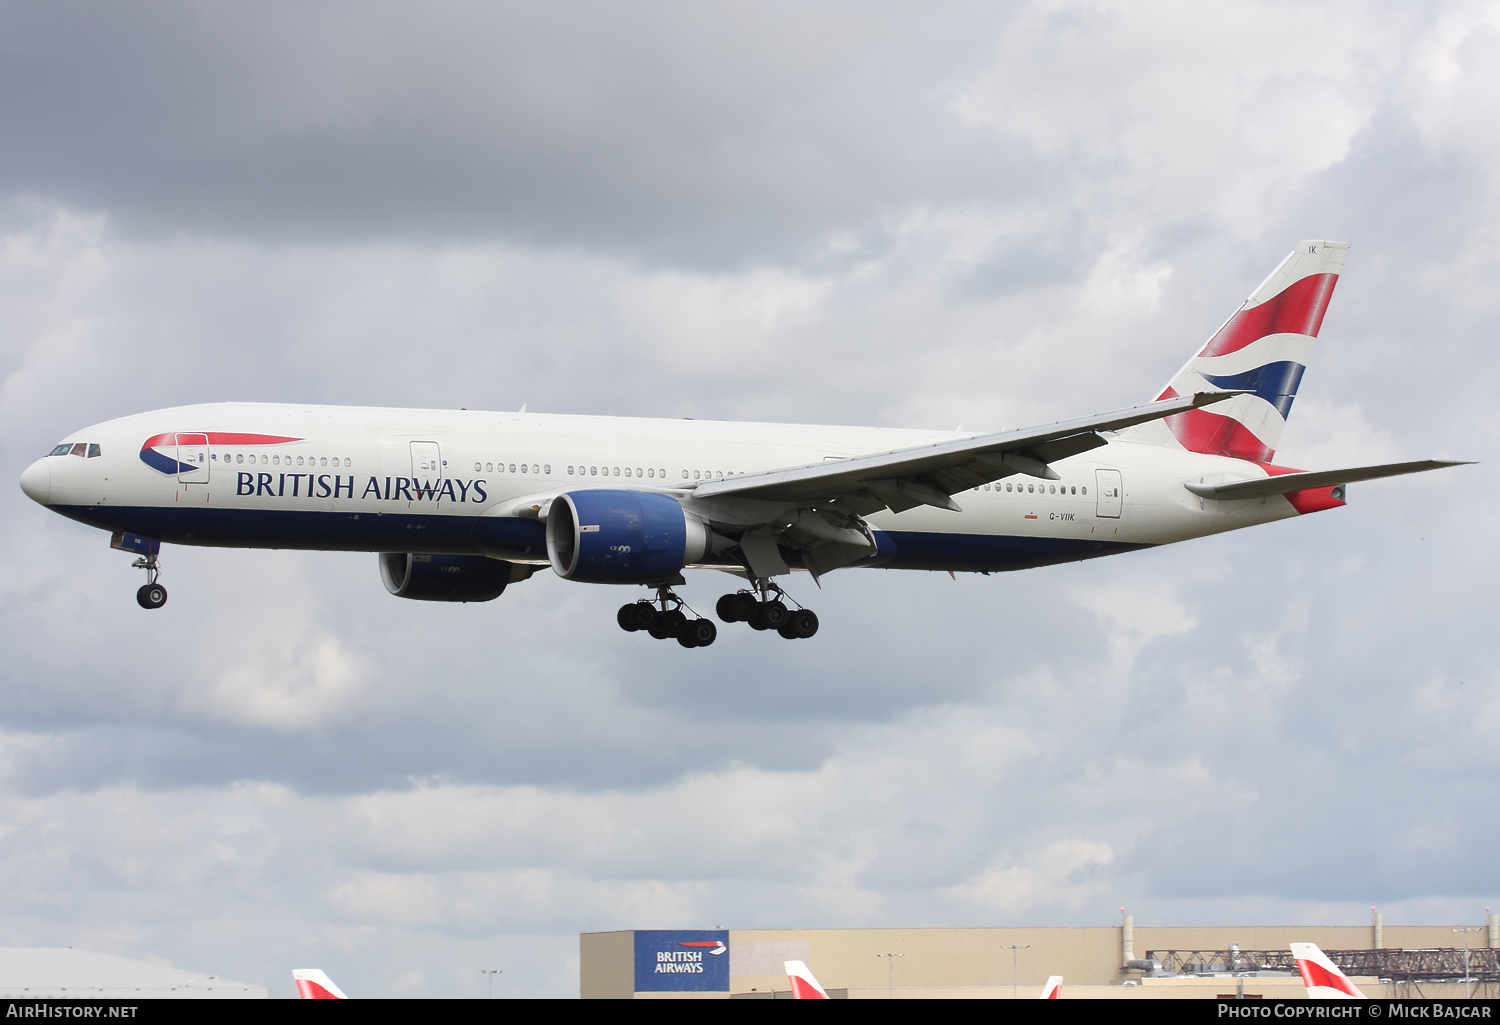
[65, 973]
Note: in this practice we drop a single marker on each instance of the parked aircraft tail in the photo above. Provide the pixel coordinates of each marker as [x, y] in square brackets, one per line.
[1262, 349]
[1321, 976]
[312, 984]
[1053, 987]
[804, 986]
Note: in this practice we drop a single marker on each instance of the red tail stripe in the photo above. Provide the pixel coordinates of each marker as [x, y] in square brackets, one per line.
[309, 990]
[1314, 974]
[803, 990]
[1297, 309]
[1198, 430]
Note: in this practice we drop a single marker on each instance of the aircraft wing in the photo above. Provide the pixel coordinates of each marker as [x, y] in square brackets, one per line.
[1280, 485]
[930, 474]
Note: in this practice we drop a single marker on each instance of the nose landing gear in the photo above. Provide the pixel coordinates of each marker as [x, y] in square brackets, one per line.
[664, 623]
[764, 612]
[151, 595]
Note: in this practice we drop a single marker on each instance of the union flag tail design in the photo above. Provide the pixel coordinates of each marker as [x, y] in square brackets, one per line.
[312, 984]
[804, 986]
[1053, 987]
[1321, 976]
[1262, 349]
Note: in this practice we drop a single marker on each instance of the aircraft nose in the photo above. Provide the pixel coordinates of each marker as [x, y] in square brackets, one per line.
[36, 481]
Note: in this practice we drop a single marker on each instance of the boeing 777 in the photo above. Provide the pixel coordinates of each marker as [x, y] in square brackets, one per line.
[459, 504]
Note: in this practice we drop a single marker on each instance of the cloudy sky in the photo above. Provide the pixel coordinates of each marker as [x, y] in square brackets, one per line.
[988, 214]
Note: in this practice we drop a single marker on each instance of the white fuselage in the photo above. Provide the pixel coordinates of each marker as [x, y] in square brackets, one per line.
[457, 482]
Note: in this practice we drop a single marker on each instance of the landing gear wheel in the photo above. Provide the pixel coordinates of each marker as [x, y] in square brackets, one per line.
[737, 608]
[699, 633]
[151, 596]
[800, 624]
[669, 624]
[643, 614]
[771, 615]
[626, 618]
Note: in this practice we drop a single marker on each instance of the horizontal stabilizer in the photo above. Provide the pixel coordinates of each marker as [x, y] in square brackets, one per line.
[1262, 487]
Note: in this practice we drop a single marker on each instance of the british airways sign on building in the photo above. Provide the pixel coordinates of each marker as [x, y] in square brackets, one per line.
[668, 960]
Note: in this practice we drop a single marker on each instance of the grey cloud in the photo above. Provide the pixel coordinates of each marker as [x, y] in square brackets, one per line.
[670, 131]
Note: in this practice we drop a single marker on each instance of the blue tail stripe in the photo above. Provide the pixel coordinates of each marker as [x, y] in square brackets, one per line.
[1275, 382]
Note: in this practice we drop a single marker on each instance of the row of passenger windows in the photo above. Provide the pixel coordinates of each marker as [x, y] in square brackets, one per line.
[80, 448]
[1045, 489]
[278, 460]
[649, 472]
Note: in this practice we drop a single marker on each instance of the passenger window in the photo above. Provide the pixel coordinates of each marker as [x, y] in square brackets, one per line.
[239, 457]
[347, 461]
[512, 467]
[547, 468]
[1085, 491]
[696, 475]
[299, 460]
[627, 471]
[323, 461]
[593, 470]
[1030, 487]
[662, 473]
[650, 471]
[94, 451]
[720, 475]
[617, 471]
[60, 450]
[523, 467]
[1051, 489]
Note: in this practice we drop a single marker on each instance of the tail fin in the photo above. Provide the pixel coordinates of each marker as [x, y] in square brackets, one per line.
[1262, 348]
[1053, 987]
[312, 984]
[1321, 976]
[804, 986]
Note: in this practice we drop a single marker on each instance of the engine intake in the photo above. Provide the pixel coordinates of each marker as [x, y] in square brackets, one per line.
[445, 577]
[622, 537]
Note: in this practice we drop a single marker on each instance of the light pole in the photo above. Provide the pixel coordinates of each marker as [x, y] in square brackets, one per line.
[1015, 954]
[1466, 930]
[489, 974]
[890, 974]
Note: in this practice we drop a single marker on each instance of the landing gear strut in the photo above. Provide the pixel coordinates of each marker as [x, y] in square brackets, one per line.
[764, 612]
[663, 622]
[151, 595]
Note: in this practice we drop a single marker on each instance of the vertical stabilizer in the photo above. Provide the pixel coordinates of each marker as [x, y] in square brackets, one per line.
[1321, 976]
[1263, 348]
[312, 984]
[804, 986]
[1053, 987]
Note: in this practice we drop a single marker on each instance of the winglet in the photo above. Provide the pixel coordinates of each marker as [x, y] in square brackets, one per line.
[1053, 987]
[804, 986]
[1321, 976]
[312, 984]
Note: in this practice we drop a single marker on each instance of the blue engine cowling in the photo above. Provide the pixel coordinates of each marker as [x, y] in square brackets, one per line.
[622, 537]
[446, 577]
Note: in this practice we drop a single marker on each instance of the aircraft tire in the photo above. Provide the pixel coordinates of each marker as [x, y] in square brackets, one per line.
[151, 596]
[671, 624]
[626, 618]
[643, 614]
[803, 623]
[771, 615]
[699, 633]
[728, 608]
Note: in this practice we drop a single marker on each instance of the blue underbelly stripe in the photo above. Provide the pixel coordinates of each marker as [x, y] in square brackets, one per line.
[468, 535]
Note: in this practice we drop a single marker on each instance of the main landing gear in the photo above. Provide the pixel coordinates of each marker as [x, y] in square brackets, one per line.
[764, 612]
[663, 622]
[151, 595]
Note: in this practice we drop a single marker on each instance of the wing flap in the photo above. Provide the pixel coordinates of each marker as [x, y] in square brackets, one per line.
[1266, 486]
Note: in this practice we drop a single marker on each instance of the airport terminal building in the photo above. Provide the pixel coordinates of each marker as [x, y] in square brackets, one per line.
[1121, 962]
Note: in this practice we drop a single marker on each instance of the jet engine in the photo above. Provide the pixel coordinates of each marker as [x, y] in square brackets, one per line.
[447, 577]
[623, 537]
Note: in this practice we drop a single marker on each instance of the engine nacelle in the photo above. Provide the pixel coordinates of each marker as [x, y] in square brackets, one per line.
[445, 577]
[622, 537]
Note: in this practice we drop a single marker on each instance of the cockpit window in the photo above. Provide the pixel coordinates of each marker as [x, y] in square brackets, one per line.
[61, 450]
[80, 449]
[94, 452]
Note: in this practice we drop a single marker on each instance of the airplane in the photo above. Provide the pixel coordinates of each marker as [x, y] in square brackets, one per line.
[312, 984]
[1053, 988]
[804, 985]
[1321, 976]
[459, 505]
